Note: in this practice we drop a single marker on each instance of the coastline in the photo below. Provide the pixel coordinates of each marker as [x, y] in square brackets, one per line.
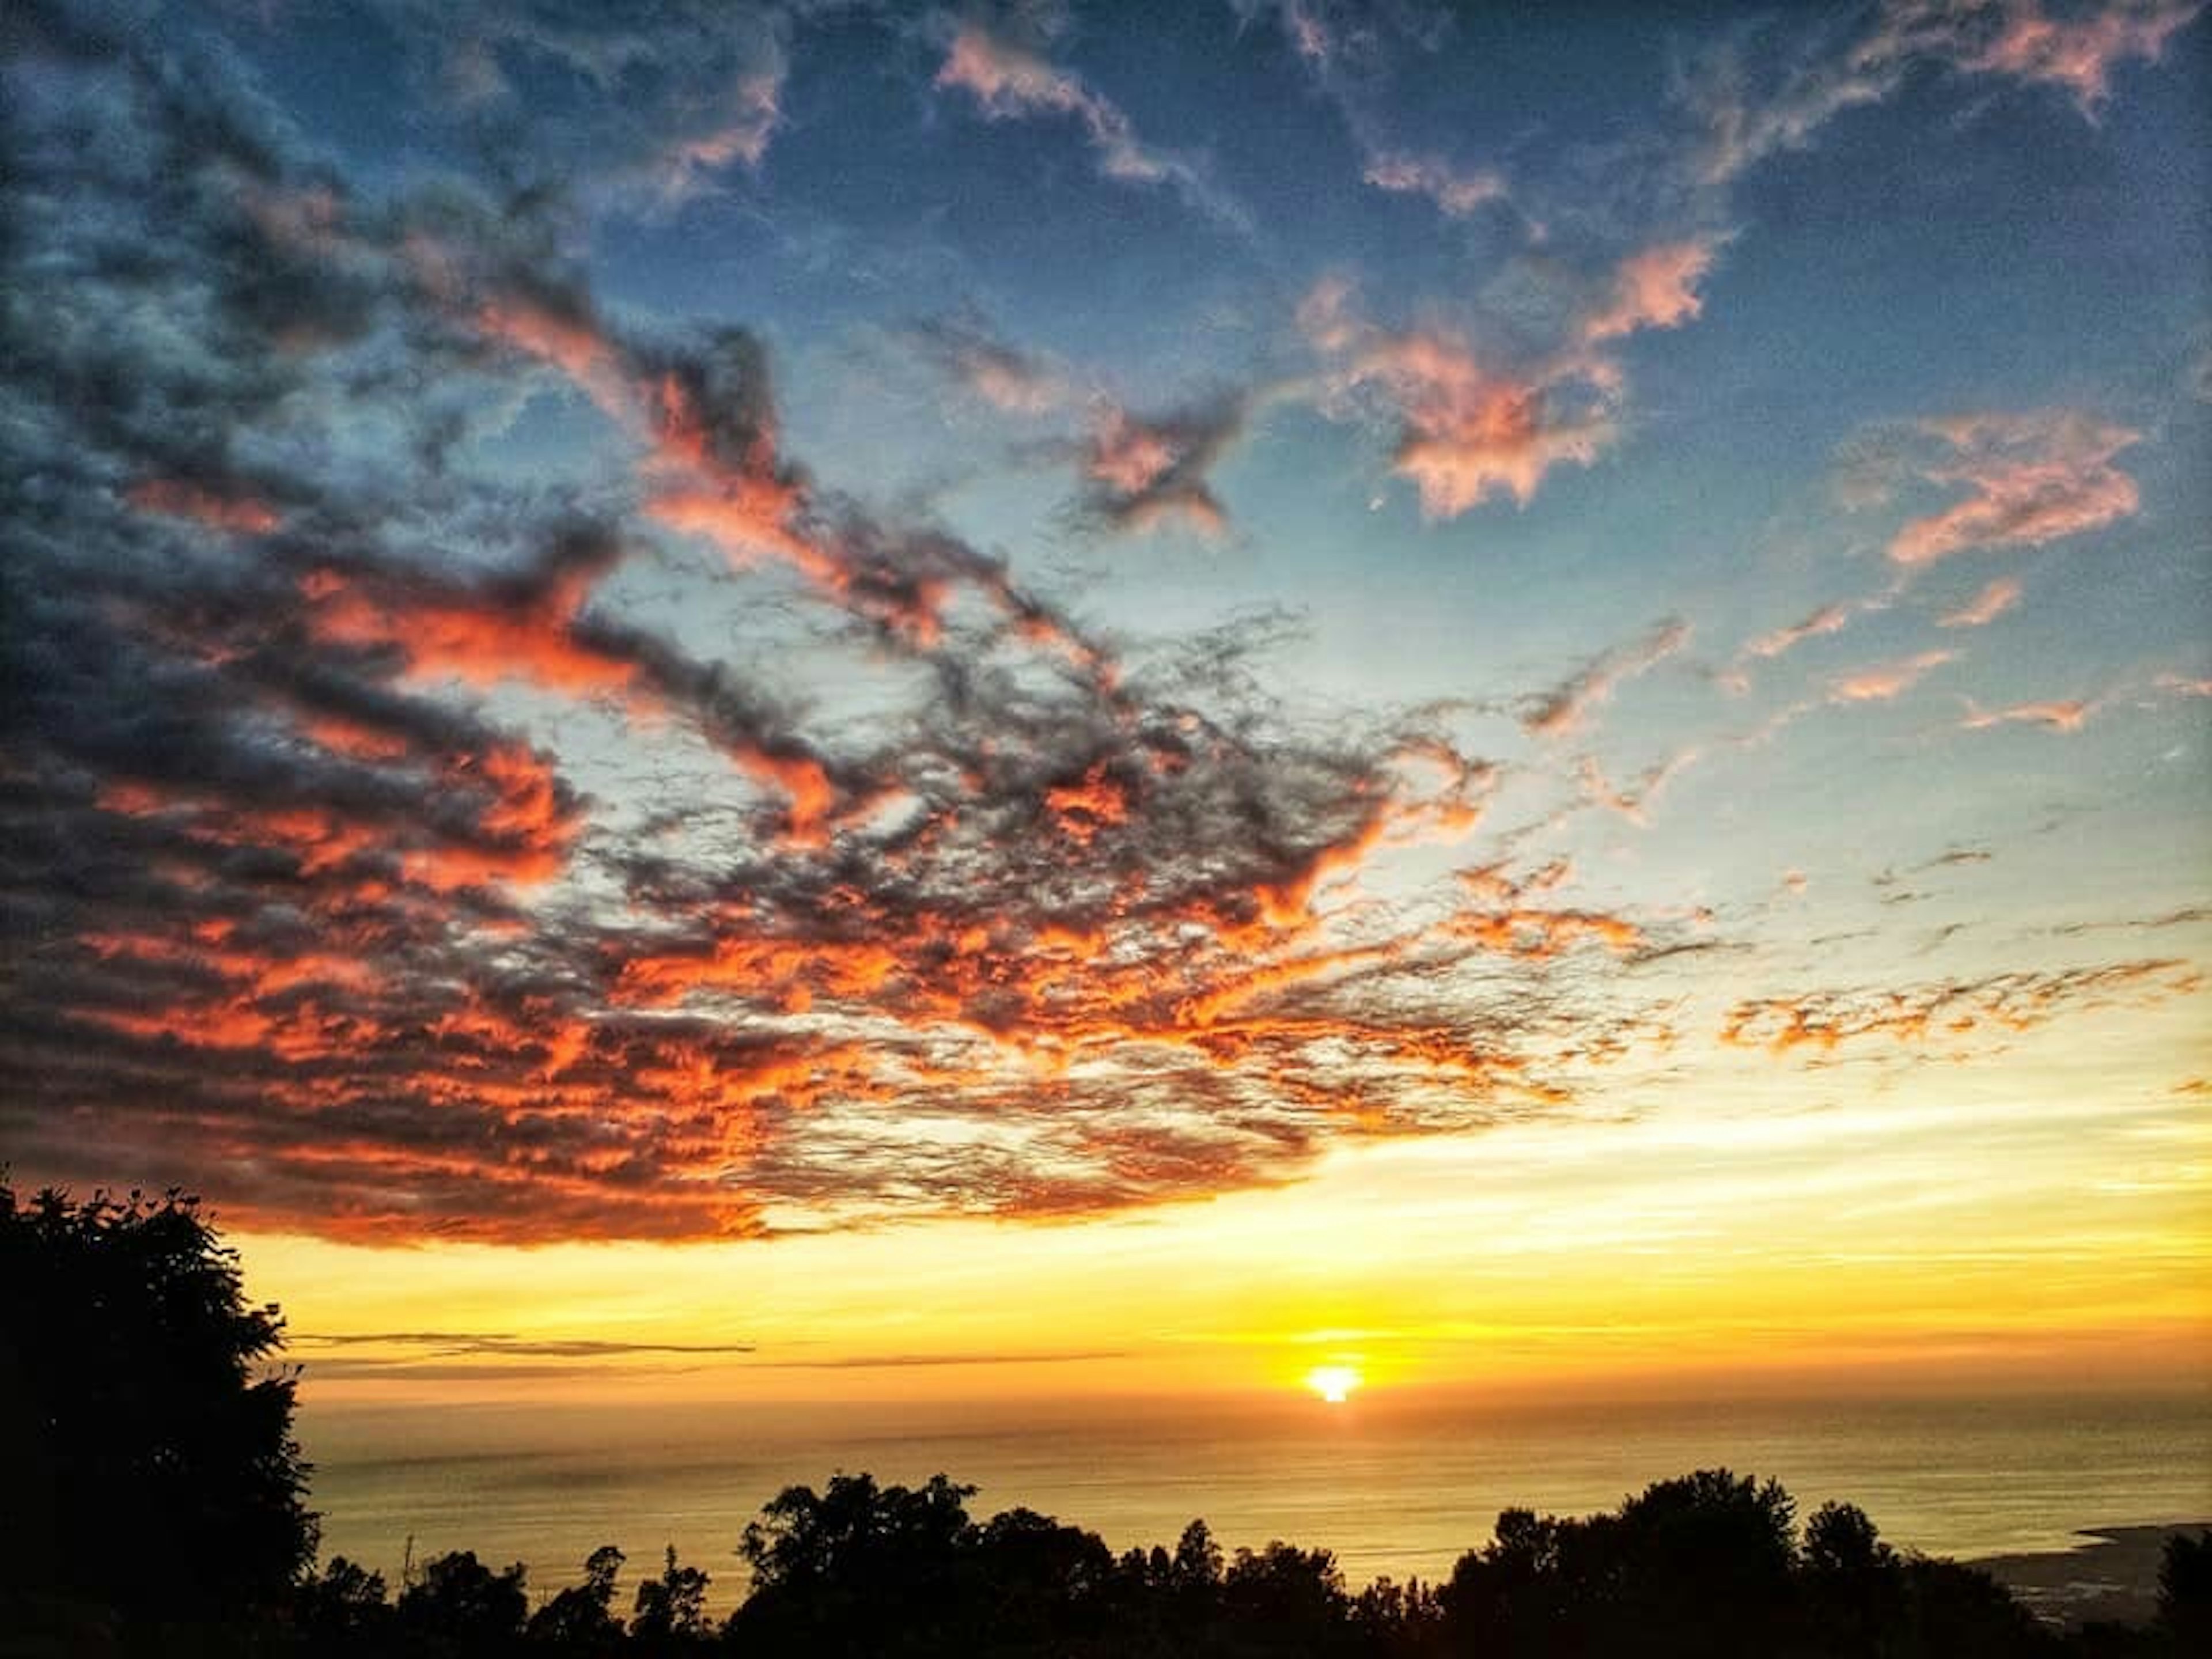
[2111, 1577]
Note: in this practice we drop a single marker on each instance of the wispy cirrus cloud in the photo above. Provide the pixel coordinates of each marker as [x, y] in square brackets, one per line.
[2069, 714]
[1885, 681]
[1952, 1012]
[1003, 376]
[1828, 619]
[1457, 191]
[1996, 597]
[1346, 51]
[1567, 706]
[2029, 479]
[1007, 81]
[1770, 91]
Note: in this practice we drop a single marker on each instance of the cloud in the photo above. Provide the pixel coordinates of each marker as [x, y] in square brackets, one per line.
[1655, 287]
[2058, 716]
[1466, 431]
[647, 109]
[1007, 379]
[1140, 473]
[1997, 598]
[1566, 707]
[1346, 50]
[1456, 191]
[409, 848]
[2077, 51]
[1828, 619]
[2029, 478]
[1747, 111]
[451, 1344]
[1008, 82]
[1954, 1011]
[1886, 681]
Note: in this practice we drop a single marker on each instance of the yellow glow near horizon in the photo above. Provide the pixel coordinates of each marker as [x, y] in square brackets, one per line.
[1334, 1383]
[1775, 1232]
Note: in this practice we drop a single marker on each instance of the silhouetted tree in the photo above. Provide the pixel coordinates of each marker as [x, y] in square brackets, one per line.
[458, 1605]
[151, 1467]
[1703, 1566]
[671, 1609]
[857, 1569]
[2184, 1592]
[1286, 1600]
[580, 1618]
[1953, 1612]
[342, 1610]
[1853, 1590]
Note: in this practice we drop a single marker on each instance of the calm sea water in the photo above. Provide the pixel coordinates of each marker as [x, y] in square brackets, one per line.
[1391, 1489]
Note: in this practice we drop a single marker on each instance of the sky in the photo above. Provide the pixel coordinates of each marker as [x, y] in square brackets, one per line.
[827, 699]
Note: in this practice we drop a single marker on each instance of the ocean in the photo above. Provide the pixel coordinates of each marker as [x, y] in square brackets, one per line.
[1395, 1488]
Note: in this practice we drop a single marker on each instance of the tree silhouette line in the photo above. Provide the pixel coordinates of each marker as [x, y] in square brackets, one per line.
[155, 1503]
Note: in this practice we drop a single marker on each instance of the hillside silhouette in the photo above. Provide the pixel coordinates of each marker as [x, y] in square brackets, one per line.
[156, 1504]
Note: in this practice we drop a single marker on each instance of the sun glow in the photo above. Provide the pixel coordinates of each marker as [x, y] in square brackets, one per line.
[1334, 1383]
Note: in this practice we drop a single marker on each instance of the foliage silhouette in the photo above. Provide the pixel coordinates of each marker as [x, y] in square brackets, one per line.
[2184, 1592]
[457, 1605]
[580, 1618]
[152, 1470]
[671, 1609]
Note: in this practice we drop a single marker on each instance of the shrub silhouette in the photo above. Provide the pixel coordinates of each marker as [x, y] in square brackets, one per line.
[580, 1618]
[457, 1605]
[2184, 1592]
[671, 1609]
[152, 1468]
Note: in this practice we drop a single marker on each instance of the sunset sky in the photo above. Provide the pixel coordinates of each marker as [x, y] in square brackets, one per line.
[822, 699]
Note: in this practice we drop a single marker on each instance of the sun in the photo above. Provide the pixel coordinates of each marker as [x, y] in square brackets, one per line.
[1334, 1383]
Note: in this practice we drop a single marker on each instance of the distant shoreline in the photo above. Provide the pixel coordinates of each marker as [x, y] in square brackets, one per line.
[2110, 1578]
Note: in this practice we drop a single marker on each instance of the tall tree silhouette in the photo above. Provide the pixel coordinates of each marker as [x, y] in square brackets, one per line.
[152, 1468]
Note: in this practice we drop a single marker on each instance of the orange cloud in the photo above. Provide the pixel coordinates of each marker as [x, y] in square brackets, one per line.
[1985, 607]
[2030, 478]
[1467, 431]
[242, 513]
[2079, 50]
[1008, 82]
[2068, 716]
[1949, 1010]
[1654, 288]
[1569, 704]
[1888, 680]
[1828, 619]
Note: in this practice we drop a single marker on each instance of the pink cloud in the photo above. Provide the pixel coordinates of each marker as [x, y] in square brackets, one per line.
[2016, 38]
[2031, 479]
[1008, 82]
[757, 111]
[2057, 716]
[1565, 706]
[1467, 431]
[1985, 607]
[2077, 52]
[1654, 288]
[1828, 619]
[1143, 472]
[1457, 192]
[1886, 680]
